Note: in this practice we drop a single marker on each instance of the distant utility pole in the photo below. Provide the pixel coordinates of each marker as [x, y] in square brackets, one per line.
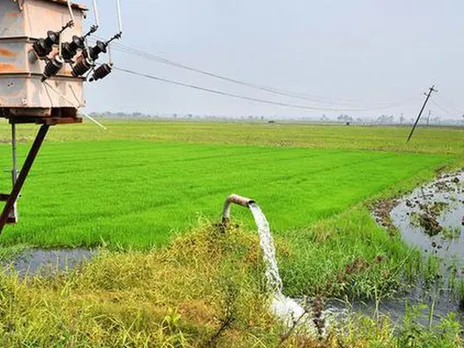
[428, 95]
[428, 118]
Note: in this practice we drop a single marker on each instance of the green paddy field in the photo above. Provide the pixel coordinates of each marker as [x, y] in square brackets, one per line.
[140, 182]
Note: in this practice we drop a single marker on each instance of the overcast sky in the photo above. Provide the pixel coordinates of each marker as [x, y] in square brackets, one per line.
[358, 54]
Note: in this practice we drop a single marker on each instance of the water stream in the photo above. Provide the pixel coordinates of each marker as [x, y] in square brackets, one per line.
[290, 311]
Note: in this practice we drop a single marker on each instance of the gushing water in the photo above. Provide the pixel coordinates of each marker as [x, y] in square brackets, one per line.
[266, 241]
[287, 309]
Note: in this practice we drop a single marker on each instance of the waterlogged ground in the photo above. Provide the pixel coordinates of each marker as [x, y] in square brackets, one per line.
[432, 218]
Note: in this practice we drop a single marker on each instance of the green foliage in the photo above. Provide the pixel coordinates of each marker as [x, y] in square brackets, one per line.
[122, 191]
[348, 255]
[414, 334]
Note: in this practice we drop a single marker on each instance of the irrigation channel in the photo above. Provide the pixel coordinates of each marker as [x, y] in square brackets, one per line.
[430, 219]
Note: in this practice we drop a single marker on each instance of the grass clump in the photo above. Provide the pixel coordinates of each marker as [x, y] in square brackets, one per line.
[206, 289]
[348, 255]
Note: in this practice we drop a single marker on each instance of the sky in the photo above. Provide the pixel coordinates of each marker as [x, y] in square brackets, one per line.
[365, 58]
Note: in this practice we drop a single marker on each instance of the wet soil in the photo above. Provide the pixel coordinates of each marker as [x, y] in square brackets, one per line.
[382, 211]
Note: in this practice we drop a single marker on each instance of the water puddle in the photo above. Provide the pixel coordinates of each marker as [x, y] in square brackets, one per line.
[431, 218]
[49, 262]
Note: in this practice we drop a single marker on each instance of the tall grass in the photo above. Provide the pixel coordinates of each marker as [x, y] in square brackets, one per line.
[205, 290]
[179, 296]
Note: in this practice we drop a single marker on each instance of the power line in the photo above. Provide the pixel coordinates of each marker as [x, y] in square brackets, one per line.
[452, 105]
[233, 95]
[214, 91]
[447, 111]
[439, 106]
[312, 98]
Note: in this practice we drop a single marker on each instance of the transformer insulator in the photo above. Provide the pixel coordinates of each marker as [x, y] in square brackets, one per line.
[102, 72]
[52, 67]
[69, 49]
[83, 66]
[52, 38]
[94, 52]
[43, 47]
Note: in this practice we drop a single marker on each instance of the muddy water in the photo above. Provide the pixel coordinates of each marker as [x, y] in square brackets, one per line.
[49, 262]
[432, 218]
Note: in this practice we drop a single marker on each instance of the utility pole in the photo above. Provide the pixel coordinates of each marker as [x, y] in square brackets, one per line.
[428, 95]
[428, 118]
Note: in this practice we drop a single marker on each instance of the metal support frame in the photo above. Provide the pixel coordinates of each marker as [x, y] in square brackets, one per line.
[19, 182]
[13, 217]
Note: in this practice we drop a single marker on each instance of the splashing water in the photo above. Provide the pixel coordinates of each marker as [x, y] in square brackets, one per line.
[266, 241]
[285, 308]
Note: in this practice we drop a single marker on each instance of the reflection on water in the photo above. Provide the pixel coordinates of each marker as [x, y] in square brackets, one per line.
[432, 218]
[49, 262]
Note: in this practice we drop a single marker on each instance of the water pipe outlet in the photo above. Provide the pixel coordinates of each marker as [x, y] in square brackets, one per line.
[234, 199]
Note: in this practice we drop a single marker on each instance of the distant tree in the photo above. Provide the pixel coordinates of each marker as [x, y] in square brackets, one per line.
[345, 118]
[385, 119]
[435, 120]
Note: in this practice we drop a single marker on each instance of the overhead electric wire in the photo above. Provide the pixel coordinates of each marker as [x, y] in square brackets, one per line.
[233, 95]
[312, 98]
[451, 105]
[445, 110]
[450, 111]
[214, 91]
[75, 106]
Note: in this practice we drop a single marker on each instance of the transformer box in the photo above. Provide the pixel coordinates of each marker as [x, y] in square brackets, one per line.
[23, 95]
